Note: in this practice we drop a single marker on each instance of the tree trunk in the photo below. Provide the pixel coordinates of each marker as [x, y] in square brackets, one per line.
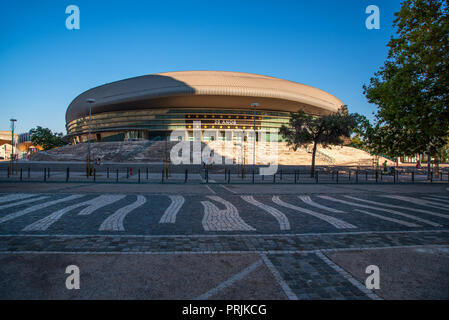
[312, 169]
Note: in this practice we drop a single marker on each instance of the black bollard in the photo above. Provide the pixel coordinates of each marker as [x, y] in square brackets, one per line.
[139, 175]
[186, 176]
[67, 174]
[29, 173]
[20, 174]
[116, 179]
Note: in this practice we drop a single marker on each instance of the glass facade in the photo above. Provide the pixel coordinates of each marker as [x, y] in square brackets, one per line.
[157, 124]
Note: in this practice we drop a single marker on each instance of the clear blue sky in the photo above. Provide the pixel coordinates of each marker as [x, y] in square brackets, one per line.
[44, 66]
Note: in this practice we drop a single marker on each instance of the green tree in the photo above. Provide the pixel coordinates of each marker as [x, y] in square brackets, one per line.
[325, 130]
[45, 138]
[411, 90]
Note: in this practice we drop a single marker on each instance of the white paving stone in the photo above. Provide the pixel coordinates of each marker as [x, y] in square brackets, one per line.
[92, 205]
[337, 223]
[399, 207]
[425, 203]
[19, 203]
[438, 200]
[401, 222]
[16, 196]
[115, 221]
[228, 219]
[170, 213]
[309, 201]
[237, 277]
[434, 224]
[101, 202]
[278, 215]
[38, 207]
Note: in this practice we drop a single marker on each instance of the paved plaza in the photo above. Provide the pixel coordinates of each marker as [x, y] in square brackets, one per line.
[223, 241]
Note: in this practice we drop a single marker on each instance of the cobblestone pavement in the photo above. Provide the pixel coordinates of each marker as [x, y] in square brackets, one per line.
[291, 233]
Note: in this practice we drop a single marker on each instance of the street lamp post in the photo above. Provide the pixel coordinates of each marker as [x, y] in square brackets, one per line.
[254, 105]
[12, 144]
[90, 102]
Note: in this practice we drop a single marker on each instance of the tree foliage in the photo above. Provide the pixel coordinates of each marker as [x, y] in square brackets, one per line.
[45, 138]
[411, 90]
[327, 130]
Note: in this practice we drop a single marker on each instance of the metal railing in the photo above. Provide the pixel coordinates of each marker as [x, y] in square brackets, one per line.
[219, 174]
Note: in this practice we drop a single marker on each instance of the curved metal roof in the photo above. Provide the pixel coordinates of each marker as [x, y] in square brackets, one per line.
[203, 89]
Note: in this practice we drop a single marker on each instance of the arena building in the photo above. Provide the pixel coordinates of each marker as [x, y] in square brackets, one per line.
[150, 107]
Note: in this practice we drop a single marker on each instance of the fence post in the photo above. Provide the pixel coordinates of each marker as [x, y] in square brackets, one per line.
[349, 173]
[337, 176]
[394, 176]
[281, 174]
[147, 173]
[253, 175]
[127, 173]
[377, 175]
[357, 176]
[185, 177]
[20, 174]
[413, 176]
[316, 176]
[67, 174]
[139, 175]
[116, 179]
[95, 174]
[107, 173]
[295, 177]
[229, 176]
[162, 179]
[274, 178]
[48, 172]
[366, 175]
[29, 173]
[207, 175]
[431, 176]
[45, 174]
